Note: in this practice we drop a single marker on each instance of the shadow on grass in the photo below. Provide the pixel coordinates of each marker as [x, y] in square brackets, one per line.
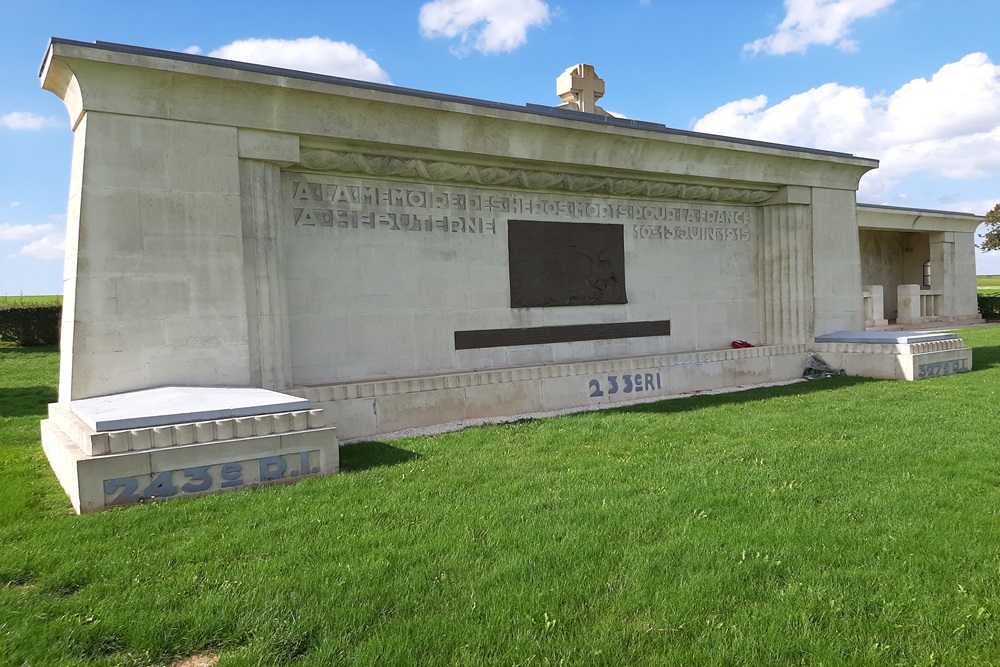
[366, 455]
[10, 348]
[984, 358]
[26, 401]
[700, 401]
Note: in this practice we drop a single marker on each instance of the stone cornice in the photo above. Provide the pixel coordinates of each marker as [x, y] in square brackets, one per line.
[386, 166]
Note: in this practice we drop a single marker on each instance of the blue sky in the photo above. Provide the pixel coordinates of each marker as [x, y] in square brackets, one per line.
[914, 83]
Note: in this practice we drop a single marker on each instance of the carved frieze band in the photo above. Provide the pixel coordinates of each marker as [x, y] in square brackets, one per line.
[454, 172]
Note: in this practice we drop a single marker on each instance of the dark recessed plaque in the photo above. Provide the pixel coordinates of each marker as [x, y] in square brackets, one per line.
[472, 340]
[565, 264]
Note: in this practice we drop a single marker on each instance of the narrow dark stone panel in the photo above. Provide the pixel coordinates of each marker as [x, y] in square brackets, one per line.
[565, 264]
[471, 340]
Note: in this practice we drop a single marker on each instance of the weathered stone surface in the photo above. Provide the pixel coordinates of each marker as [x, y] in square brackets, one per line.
[231, 225]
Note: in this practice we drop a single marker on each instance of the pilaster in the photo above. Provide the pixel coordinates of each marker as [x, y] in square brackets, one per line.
[267, 310]
[942, 256]
[786, 274]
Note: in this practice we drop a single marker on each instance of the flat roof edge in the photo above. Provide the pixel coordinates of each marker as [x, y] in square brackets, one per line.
[903, 209]
[533, 109]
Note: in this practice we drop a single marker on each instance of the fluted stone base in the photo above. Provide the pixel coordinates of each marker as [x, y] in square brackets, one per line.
[105, 468]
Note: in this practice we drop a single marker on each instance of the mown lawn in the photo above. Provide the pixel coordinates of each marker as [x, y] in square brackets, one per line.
[840, 522]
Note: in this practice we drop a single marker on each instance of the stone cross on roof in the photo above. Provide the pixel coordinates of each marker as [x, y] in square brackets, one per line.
[580, 88]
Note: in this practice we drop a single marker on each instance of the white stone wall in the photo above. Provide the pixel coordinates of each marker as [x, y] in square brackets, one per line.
[188, 264]
[965, 299]
[837, 280]
[394, 282]
[895, 242]
[154, 258]
[891, 258]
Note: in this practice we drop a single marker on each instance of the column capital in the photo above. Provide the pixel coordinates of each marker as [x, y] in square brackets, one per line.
[791, 194]
[281, 149]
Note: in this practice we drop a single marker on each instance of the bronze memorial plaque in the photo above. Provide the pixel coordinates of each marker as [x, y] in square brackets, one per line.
[565, 264]
[480, 338]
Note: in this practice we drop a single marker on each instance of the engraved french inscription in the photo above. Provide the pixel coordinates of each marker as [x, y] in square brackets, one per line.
[363, 204]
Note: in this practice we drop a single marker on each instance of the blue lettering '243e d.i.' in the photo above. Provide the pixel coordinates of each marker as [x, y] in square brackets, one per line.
[198, 479]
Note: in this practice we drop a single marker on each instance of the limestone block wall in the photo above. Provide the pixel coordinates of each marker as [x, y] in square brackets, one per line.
[200, 254]
[965, 301]
[838, 305]
[953, 271]
[895, 243]
[153, 291]
[395, 278]
[893, 258]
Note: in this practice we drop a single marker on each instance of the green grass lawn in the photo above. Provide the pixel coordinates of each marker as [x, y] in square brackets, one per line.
[839, 522]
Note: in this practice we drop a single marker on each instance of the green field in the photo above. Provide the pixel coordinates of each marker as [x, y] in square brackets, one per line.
[838, 522]
[988, 285]
[11, 301]
[988, 282]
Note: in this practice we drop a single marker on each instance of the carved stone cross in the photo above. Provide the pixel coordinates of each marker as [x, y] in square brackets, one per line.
[580, 86]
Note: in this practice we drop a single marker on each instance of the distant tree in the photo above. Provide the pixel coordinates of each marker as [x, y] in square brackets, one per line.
[991, 237]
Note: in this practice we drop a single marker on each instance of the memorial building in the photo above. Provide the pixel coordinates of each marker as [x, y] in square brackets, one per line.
[261, 261]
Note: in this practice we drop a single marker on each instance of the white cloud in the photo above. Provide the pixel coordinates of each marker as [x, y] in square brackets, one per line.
[491, 26]
[25, 120]
[948, 126]
[15, 204]
[960, 99]
[51, 246]
[193, 50]
[980, 207]
[309, 54]
[808, 22]
[21, 232]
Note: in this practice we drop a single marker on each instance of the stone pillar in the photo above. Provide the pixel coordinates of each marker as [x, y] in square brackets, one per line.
[786, 269]
[262, 154]
[875, 306]
[908, 304]
[942, 246]
[965, 301]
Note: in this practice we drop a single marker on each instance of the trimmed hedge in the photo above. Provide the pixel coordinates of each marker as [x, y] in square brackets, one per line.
[30, 325]
[989, 306]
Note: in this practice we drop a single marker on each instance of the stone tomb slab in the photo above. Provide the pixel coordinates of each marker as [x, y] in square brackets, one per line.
[884, 337]
[896, 355]
[95, 483]
[163, 406]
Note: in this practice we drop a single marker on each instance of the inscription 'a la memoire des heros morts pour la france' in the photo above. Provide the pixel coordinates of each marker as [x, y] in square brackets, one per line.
[404, 207]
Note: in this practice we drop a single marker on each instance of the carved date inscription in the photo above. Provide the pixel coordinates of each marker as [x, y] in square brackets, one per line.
[409, 207]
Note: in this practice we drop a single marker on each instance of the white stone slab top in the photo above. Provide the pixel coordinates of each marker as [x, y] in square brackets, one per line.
[884, 337]
[177, 405]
